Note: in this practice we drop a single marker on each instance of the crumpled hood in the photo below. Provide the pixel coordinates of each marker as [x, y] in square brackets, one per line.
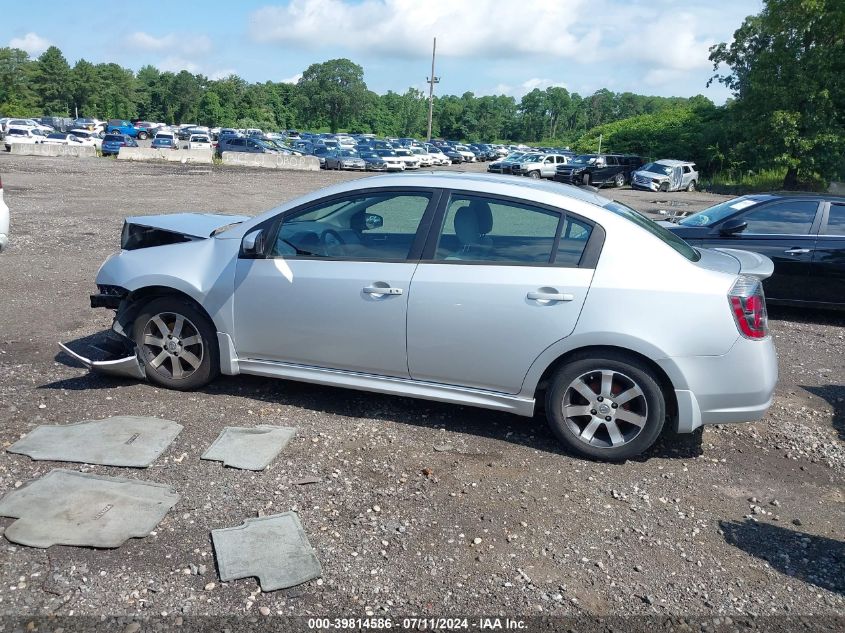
[188, 224]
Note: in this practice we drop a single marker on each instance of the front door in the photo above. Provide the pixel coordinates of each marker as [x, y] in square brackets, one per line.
[333, 289]
[500, 282]
[827, 273]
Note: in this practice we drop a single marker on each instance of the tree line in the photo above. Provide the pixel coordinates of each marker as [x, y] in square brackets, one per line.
[785, 68]
[330, 95]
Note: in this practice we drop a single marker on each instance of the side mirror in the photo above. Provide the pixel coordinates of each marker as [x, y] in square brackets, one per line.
[363, 221]
[253, 244]
[732, 227]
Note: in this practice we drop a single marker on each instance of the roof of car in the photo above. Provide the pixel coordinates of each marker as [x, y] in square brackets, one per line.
[673, 163]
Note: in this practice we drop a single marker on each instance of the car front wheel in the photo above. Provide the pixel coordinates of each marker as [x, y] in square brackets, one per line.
[691, 186]
[177, 344]
[608, 407]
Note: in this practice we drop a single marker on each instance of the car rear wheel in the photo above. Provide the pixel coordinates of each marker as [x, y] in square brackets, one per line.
[609, 407]
[142, 136]
[177, 344]
[691, 186]
[619, 180]
[585, 180]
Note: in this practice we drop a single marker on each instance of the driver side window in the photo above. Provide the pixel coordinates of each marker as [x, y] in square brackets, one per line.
[368, 227]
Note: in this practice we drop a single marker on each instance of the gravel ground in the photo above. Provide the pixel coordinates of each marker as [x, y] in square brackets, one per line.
[421, 508]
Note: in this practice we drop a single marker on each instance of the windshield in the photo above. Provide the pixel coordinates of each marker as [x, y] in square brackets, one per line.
[199, 139]
[386, 152]
[657, 168]
[533, 158]
[347, 153]
[655, 229]
[369, 155]
[584, 159]
[719, 212]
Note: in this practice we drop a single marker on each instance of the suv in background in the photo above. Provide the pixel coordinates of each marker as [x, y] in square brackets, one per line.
[537, 165]
[126, 128]
[599, 169]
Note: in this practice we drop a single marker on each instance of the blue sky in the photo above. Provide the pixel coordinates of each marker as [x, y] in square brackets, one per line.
[654, 47]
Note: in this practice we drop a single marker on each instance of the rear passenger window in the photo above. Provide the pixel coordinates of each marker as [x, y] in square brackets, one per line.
[486, 230]
[836, 220]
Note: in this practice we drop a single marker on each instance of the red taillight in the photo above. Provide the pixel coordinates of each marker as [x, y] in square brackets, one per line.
[748, 305]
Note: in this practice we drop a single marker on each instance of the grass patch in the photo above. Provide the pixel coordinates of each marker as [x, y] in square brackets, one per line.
[740, 183]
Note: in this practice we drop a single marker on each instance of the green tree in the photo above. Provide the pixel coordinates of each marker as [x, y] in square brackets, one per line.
[335, 90]
[85, 89]
[52, 82]
[16, 95]
[786, 69]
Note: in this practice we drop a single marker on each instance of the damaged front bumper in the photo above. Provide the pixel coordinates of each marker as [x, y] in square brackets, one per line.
[128, 367]
[116, 355]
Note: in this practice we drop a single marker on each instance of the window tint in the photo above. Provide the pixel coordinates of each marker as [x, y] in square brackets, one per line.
[836, 220]
[486, 230]
[787, 218]
[371, 227]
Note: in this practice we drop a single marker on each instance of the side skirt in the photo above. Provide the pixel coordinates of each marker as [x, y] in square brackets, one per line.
[390, 385]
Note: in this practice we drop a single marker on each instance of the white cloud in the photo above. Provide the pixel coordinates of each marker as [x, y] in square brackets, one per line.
[32, 43]
[405, 27]
[292, 80]
[170, 43]
[177, 64]
[222, 73]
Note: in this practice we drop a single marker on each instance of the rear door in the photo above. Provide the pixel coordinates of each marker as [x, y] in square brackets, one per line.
[499, 282]
[827, 273]
[785, 232]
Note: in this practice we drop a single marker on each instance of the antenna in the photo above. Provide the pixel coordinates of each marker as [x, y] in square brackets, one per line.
[431, 81]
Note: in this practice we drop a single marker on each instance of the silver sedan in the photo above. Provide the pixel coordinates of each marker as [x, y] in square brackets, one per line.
[471, 289]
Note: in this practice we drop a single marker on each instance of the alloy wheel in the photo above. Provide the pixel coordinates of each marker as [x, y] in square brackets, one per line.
[172, 345]
[605, 408]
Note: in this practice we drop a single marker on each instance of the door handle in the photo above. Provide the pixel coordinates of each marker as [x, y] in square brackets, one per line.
[382, 290]
[550, 296]
[797, 251]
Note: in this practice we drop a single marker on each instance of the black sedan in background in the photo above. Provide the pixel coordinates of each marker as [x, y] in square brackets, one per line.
[803, 234]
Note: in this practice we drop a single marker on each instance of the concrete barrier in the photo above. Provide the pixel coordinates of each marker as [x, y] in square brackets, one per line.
[53, 149]
[272, 161]
[202, 156]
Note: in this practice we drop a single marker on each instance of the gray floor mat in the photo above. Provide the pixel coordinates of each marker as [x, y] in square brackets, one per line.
[249, 448]
[119, 441]
[273, 548]
[65, 507]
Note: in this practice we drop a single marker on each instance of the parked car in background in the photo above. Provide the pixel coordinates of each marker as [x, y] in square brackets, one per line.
[505, 165]
[319, 290]
[411, 161]
[87, 135]
[345, 159]
[803, 234]
[4, 220]
[466, 153]
[598, 169]
[538, 165]
[113, 142]
[25, 135]
[322, 152]
[372, 161]
[199, 141]
[425, 159]
[63, 138]
[453, 155]
[127, 128]
[171, 136]
[666, 175]
[31, 124]
[391, 159]
[92, 125]
[163, 142]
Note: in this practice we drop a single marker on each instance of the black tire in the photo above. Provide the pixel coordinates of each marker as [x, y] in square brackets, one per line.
[534, 174]
[691, 186]
[195, 323]
[585, 180]
[590, 434]
[619, 180]
[664, 187]
[142, 136]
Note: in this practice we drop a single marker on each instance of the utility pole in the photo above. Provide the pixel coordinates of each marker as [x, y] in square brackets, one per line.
[431, 81]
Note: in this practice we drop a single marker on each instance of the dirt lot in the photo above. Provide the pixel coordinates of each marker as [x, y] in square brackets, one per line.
[742, 520]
